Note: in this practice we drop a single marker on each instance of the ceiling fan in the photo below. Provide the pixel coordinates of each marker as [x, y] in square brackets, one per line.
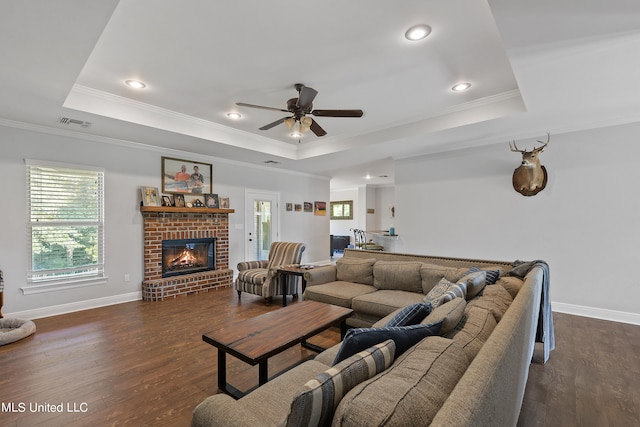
[299, 108]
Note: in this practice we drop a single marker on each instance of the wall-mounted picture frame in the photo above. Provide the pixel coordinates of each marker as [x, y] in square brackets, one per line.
[308, 207]
[298, 207]
[224, 203]
[320, 208]
[150, 196]
[186, 176]
[211, 201]
[289, 207]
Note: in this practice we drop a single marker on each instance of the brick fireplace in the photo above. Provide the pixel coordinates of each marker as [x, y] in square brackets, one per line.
[171, 223]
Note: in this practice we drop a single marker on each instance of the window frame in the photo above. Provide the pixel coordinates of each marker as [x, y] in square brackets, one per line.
[342, 203]
[66, 277]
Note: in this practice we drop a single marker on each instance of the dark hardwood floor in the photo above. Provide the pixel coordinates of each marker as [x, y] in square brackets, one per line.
[145, 364]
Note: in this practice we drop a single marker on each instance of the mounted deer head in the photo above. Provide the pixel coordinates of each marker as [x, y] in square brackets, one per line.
[530, 177]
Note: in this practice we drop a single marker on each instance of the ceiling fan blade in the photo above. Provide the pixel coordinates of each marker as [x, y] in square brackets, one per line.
[307, 95]
[317, 129]
[337, 113]
[276, 123]
[242, 104]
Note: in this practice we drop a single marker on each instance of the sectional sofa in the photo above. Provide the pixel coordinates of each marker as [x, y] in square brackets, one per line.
[471, 369]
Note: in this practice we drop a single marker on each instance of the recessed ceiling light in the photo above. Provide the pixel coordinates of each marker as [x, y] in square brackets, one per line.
[234, 116]
[418, 32]
[136, 84]
[460, 87]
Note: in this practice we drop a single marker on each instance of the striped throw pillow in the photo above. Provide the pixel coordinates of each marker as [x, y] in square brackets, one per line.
[445, 291]
[410, 315]
[315, 404]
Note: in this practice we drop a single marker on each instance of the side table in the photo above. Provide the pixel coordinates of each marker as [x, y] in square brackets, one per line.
[291, 270]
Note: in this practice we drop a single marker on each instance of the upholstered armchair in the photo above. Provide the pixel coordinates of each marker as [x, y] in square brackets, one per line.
[262, 278]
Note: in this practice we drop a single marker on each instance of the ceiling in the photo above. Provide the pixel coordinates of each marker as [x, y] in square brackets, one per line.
[534, 67]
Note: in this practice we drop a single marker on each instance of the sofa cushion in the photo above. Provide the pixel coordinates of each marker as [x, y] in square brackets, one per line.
[410, 392]
[410, 315]
[398, 275]
[337, 293]
[432, 273]
[445, 291]
[475, 281]
[511, 284]
[473, 330]
[450, 313]
[355, 270]
[358, 339]
[494, 299]
[381, 303]
[315, 404]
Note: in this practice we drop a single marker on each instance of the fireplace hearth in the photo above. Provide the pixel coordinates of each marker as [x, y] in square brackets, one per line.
[186, 256]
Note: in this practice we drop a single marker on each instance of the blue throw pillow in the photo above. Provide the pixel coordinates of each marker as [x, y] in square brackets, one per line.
[492, 275]
[405, 337]
[410, 315]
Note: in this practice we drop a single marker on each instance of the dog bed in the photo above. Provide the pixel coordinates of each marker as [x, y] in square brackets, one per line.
[12, 330]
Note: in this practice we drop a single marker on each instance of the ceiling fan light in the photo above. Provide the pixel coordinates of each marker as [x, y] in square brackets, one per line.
[417, 32]
[289, 122]
[305, 124]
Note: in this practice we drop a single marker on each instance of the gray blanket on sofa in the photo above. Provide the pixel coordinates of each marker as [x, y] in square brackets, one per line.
[544, 333]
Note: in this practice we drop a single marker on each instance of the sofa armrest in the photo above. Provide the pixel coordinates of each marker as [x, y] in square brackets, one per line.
[320, 275]
[223, 410]
[248, 265]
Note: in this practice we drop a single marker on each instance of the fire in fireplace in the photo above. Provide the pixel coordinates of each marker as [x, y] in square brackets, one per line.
[185, 256]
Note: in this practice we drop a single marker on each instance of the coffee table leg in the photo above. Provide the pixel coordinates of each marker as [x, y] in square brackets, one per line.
[222, 370]
[263, 372]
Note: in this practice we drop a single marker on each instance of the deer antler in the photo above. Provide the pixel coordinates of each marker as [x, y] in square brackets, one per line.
[514, 147]
[545, 143]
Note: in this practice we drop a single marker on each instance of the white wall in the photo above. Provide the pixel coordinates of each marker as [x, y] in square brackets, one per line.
[584, 224]
[128, 168]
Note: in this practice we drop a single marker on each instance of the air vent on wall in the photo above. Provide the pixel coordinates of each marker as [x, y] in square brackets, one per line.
[69, 121]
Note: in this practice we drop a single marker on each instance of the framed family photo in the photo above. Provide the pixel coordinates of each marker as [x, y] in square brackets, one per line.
[186, 176]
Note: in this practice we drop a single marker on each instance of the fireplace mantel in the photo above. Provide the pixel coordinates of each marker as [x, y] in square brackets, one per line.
[173, 209]
[170, 223]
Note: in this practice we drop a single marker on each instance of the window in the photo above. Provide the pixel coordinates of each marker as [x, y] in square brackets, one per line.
[65, 208]
[342, 210]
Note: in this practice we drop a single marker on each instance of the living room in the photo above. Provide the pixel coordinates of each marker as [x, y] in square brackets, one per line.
[451, 191]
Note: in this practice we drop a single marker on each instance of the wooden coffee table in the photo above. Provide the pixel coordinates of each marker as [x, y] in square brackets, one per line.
[257, 339]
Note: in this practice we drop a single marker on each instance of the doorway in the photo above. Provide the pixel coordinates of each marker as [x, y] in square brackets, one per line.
[261, 223]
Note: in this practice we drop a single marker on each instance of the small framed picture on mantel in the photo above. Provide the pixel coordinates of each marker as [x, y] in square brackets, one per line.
[150, 196]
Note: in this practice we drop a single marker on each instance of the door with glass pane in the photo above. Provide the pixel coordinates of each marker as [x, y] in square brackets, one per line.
[261, 224]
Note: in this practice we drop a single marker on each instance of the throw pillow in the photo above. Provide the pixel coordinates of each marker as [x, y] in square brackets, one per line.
[315, 404]
[405, 337]
[492, 275]
[410, 315]
[355, 270]
[449, 313]
[475, 283]
[445, 291]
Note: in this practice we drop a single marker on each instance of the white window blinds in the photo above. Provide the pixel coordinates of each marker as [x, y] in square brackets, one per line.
[65, 208]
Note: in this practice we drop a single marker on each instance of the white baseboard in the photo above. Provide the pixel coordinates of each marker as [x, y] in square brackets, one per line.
[75, 306]
[598, 313]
